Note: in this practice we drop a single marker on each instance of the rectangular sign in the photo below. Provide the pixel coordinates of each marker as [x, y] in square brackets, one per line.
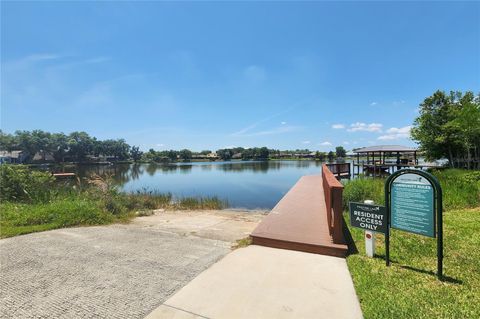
[412, 206]
[368, 217]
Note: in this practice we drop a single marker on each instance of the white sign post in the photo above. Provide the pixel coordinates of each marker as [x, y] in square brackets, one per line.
[369, 236]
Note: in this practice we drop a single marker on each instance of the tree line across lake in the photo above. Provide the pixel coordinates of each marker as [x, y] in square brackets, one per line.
[448, 126]
[41, 146]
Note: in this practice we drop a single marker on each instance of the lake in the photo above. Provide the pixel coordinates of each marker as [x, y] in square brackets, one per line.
[243, 184]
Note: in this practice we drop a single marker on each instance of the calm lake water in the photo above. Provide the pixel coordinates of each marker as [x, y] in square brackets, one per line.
[243, 184]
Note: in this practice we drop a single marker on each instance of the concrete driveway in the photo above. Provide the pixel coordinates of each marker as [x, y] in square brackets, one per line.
[117, 271]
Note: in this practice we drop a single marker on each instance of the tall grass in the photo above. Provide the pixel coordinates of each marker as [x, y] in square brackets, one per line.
[31, 202]
[461, 189]
[22, 218]
[362, 188]
[199, 203]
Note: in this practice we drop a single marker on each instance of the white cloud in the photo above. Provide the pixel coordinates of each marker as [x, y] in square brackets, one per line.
[159, 145]
[255, 74]
[373, 103]
[42, 57]
[99, 59]
[276, 130]
[326, 143]
[396, 133]
[306, 142]
[346, 143]
[372, 127]
[338, 126]
[248, 128]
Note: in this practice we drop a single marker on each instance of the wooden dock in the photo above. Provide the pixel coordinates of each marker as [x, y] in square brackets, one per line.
[340, 170]
[64, 175]
[300, 221]
[389, 168]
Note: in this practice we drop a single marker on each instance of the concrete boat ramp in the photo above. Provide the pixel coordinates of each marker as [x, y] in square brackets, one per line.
[262, 282]
[295, 269]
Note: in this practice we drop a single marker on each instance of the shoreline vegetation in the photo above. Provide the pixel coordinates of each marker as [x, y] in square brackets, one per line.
[32, 201]
[40, 147]
[409, 288]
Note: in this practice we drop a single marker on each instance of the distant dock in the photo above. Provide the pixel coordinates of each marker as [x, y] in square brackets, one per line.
[64, 175]
[386, 159]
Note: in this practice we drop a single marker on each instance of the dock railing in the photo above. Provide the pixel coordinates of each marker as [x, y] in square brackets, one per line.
[339, 169]
[333, 190]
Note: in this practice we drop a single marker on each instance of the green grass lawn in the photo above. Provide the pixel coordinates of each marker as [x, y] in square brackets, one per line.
[68, 210]
[409, 288]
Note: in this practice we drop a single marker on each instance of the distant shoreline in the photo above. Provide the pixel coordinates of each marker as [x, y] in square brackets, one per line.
[176, 162]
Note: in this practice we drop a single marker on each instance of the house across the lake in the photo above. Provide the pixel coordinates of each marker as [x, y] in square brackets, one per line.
[211, 156]
[13, 157]
[43, 156]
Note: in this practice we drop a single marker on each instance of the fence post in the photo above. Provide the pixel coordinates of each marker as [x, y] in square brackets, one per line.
[369, 236]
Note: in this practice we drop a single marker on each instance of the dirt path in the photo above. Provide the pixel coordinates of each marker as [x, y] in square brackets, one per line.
[116, 271]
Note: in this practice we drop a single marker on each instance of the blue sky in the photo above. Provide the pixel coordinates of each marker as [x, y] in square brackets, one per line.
[208, 75]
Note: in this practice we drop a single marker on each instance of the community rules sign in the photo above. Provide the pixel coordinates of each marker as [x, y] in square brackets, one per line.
[412, 207]
[368, 217]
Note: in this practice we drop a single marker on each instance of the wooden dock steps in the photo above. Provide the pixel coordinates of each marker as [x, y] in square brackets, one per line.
[299, 221]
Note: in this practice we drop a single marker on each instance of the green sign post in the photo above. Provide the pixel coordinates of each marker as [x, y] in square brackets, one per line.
[414, 204]
[368, 217]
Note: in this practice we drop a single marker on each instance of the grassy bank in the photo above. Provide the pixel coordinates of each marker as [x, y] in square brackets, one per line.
[84, 210]
[409, 288]
[461, 189]
[32, 201]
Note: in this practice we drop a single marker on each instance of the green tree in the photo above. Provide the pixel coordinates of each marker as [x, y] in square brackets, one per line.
[248, 154]
[153, 156]
[7, 141]
[80, 144]
[185, 155]
[225, 154]
[447, 127]
[331, 156]
[172, 155]
[262, 153]
[34, 141]
[135, 153]
[121, 149]
[60, 146]
[340, 151]
[320, 156]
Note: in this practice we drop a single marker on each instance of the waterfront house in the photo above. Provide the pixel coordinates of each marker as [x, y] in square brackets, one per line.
[43, 156]
[13, 157]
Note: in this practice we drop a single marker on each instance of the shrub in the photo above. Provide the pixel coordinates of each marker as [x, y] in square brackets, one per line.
[19, 183]
[362, 188]
[461, 189]
[61, 213]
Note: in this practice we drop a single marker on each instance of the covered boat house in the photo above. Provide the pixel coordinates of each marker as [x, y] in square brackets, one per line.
[384, 159]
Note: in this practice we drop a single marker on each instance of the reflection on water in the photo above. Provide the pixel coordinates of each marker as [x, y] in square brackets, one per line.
[242, 184]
